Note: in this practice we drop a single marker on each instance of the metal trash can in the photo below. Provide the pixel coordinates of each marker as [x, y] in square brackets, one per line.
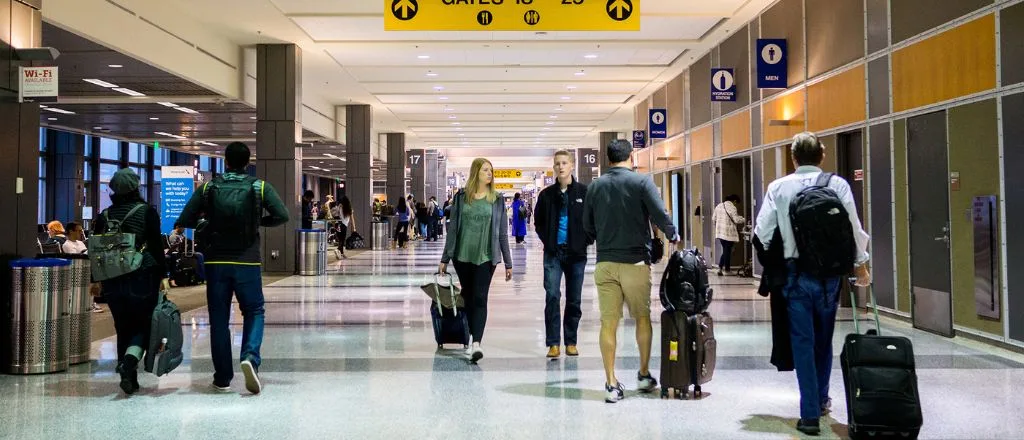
[311, 252]
[37, 321]
[381, 235]
[81, 309]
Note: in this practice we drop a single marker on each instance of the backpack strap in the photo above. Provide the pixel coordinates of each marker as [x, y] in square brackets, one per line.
[823, 179]
[129, 214]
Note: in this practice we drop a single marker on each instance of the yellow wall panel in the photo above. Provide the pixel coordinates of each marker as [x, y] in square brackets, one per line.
[958, 62]
[837, 101]
[736, 132]
[785, 108]
[669, 154]
[702, 144]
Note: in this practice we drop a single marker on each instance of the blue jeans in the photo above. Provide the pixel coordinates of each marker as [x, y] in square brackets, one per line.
[812, 320]
[556, 264]
[246, 284]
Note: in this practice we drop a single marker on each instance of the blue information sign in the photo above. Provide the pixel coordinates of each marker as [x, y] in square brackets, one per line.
[723, 85]
[658, 123]
[176, 187]
[772, 66]
[639, 139]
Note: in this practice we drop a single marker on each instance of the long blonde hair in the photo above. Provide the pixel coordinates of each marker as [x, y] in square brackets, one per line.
[473, 183]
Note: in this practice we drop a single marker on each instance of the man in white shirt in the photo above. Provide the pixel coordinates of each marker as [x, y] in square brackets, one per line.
[812, 299]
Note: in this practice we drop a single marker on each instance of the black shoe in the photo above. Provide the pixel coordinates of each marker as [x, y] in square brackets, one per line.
[826, 407]
[719, 272]
[809, 427]
[645, 383]
[127, 368]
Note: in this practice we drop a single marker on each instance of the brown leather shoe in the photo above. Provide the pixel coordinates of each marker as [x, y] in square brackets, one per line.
[553, 351]
[570, 350]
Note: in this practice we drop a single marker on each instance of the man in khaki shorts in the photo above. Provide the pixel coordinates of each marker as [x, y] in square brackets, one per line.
[618, 212]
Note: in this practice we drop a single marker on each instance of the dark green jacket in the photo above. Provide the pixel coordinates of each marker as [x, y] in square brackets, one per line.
[277, 214]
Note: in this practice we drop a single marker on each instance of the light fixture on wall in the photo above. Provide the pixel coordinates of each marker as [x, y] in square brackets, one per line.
[784, 122]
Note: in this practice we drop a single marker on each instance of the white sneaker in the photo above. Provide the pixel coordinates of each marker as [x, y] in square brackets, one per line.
[613, 393]
[646, 383]
[252, 380]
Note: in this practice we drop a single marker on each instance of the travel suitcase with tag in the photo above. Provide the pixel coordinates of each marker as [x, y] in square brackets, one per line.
[446, 313]
[688, 353]
[881, 382]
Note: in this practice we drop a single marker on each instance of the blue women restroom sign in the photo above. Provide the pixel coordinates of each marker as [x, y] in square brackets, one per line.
[772, 65]
[658, 124]
[723, 85]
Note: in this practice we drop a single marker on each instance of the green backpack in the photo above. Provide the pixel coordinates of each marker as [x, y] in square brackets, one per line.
[113, 253]
[234, 208]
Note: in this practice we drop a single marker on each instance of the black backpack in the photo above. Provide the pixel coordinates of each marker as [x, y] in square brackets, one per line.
[822, 229]
[684, 286]
[234, 208]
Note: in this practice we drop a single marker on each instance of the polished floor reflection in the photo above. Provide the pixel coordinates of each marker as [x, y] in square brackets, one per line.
[351, 355]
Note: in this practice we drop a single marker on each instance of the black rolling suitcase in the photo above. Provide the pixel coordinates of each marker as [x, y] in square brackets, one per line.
[446, 313]
[688, 353]
[186, 269]
[881, 382]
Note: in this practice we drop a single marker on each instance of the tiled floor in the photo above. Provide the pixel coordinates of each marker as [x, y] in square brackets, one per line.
[351, 355]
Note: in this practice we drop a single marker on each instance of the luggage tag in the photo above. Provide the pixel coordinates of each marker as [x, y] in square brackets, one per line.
[673, 350]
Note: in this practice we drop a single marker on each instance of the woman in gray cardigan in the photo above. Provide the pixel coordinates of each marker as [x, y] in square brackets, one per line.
[478, 242]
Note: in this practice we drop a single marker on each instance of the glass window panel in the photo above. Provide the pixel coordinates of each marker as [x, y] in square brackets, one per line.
[42, 139]
[107, 171]
[136, 154]
[156, 175]
[88, 146]
[145, 192]
[110, 149]
[204, 163]
[160, 156]
[143, 175]
[104, 200]
[41, 213]
[42, 167]
[220, 166]
[86, 171]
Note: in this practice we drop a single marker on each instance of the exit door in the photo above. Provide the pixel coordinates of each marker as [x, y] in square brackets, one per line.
[928, 174]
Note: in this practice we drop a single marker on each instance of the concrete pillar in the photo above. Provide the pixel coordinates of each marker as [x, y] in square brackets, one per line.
[442, 179]
[358, 171]
[64, 195]
[19, 136]
[417, 165]
[606, 138]
[430, 182]
[278, 131]
[396, 167]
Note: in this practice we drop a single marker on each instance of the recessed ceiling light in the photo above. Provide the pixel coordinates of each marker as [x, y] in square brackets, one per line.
[550, 123]
[168, 104]
[448, 109]
[458, 128]
[462, 134]
[97, 128]
[154, 119]
[543, 134]
[128, 92]
[254, 132]
[431, 74]
[321, 161]
[443, 98]
[252, 117]
[590, 56]
[439, 88]
[209, 144]
[452, 117]
[547, 128]
[580, 73]
[100, 83]
[566, 98]
[61, 111]
[114, 66]
[559, 109]
[51, 119]
[169, 135]
[456, 123]
[423, 57]
[553, 116]
[571, 87]
[186, 110]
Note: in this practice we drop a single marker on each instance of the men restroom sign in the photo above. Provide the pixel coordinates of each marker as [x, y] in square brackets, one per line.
[772, 66]
[723, 85]
[658, 124]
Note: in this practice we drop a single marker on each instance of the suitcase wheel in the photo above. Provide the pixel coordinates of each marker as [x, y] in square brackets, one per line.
[440, 346]
[664, 393]
[697, 393]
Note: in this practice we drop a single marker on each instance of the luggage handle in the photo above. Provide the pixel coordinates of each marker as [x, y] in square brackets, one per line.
[451, 291]
[874, 306]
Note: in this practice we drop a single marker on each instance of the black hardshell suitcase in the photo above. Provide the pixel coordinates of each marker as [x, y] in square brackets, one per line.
[881, 382]
[450, 325]
[688, 353]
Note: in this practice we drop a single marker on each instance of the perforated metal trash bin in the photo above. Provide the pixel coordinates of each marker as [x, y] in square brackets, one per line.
[80, 309]
[381, 235]
[311, 251]
[37, 321]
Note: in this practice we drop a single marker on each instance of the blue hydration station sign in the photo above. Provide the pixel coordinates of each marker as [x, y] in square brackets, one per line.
[723, 85]
[772, 65]
[176, 186]
[658, 123]
[639, 139]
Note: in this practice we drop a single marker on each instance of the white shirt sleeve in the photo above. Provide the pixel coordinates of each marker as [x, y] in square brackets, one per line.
[767, 217]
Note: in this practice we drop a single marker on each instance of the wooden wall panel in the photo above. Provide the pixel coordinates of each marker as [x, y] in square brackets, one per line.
[837, 101]
[642, 160]
[670, 154]
[676, 109]
[790, 108]
[736, 133]
[958, 62]
[702, 144]
[640, 117]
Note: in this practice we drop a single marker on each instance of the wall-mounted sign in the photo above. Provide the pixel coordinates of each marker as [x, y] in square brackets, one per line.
[858, 175]
[587, 157]
[954, 181]
[549, 180]
[658, 123]
[639, 139]
[504, 186]
[508, 174]
[37, 82]
[512, 15]
[176, 187]
[772, 66]
[452, 181]
[723, 85]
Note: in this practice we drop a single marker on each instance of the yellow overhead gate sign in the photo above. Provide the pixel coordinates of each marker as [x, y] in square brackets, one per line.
[504, 186]
[512, 15]
[508, 174]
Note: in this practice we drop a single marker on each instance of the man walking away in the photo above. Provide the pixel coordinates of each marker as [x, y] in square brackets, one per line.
[559, 224]
[627, 202]
[234, 204]
[821, 247]
[726, 219]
